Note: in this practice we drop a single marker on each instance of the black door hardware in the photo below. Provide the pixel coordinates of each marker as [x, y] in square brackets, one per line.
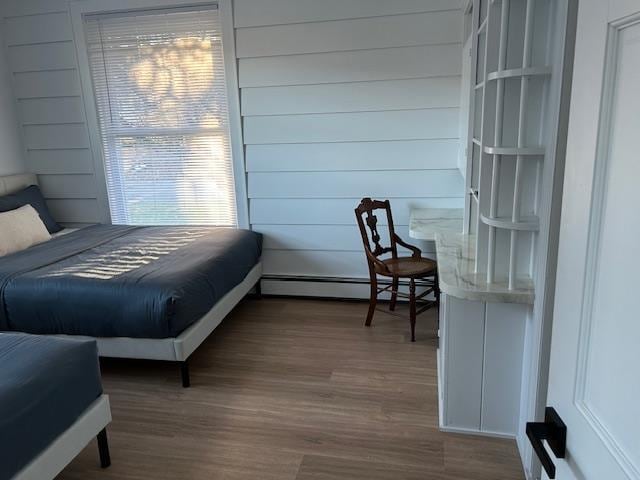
[554, 431]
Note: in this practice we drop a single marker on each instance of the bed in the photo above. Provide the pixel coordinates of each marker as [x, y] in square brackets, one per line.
[52, 405]
[142, 292]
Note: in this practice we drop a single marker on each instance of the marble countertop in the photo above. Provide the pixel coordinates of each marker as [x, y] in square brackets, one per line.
[456, 264]
[424, 223]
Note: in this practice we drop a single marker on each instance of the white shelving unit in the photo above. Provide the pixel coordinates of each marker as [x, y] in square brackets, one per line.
[497, 277]
[507, 138]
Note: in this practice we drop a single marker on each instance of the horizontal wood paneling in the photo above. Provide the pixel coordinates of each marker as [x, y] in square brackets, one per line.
[63, 83]
[390, 155]
[341, 100]
[294, 288]
[315, 263]
[13, 8]
[353, 34]
[51, 110]
[270, 12]
[67, 186]
[310, 237]
[45, 56]
[438, 92]
[74, 210]
[346, 127]
[60, 161]
[56, 136]
[42, 59]
[315, 289]
[53, 27]
[361, 65]
[336, 211]
[410, 183]
[314, 237]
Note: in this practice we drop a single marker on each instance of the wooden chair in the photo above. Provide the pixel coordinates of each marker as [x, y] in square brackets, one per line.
[395, 267]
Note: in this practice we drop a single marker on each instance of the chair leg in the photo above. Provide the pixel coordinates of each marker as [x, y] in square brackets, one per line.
[373, 300]
[394, 293]
[412, 308]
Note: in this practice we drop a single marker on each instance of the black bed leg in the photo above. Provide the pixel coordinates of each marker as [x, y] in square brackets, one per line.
[103, 449]
[184, 371]
[259, 290]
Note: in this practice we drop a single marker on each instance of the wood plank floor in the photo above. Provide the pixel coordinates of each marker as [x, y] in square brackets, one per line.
[292, 390]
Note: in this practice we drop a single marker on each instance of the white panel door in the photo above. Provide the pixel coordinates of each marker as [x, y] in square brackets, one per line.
[594, 379]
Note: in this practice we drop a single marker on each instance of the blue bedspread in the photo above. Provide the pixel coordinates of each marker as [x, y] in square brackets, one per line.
[121, 281]
[46, 384]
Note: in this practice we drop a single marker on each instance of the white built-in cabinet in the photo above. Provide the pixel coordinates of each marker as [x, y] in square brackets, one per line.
[497, 277]
[480, 365]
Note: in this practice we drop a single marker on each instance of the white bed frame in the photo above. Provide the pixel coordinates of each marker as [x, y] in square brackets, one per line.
[68, 445]
[176, 349]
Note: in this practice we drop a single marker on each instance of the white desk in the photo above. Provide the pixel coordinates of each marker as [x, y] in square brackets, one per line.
[424, 223]
[480, 354]
[481, 334]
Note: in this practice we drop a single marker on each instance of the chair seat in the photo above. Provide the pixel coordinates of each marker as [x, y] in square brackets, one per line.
[409, 267]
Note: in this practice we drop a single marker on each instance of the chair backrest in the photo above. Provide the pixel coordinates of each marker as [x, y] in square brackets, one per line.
[368, 224]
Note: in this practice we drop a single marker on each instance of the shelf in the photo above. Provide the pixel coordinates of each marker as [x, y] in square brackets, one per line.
[530, 223]
[526, 151]
[520, 72]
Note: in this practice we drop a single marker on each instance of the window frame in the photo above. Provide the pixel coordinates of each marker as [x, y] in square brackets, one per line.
[81, 8]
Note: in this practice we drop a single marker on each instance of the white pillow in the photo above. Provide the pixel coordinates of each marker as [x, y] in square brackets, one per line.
[20, 229]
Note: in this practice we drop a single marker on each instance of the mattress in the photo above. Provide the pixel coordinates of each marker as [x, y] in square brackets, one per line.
[123, 281]
[45, 386]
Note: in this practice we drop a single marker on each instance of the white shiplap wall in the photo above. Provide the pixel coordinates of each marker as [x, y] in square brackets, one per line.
[11, 150]
[343, 99]
[340, 99]
[41, 56]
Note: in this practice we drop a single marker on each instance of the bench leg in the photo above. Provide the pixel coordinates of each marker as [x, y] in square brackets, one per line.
[103, 449]
[184, 372]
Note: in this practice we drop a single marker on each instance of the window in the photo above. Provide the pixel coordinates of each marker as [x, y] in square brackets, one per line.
[160, 91]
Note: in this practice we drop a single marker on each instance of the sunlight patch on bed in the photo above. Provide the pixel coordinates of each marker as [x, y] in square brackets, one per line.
[127, 258]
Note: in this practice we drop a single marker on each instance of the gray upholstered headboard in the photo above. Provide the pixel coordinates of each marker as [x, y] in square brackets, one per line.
[14, 183]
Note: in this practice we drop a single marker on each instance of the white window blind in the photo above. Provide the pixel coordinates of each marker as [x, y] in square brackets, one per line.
[160, 90]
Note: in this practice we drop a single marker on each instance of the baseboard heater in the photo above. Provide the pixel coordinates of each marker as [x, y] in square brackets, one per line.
[347, 280]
